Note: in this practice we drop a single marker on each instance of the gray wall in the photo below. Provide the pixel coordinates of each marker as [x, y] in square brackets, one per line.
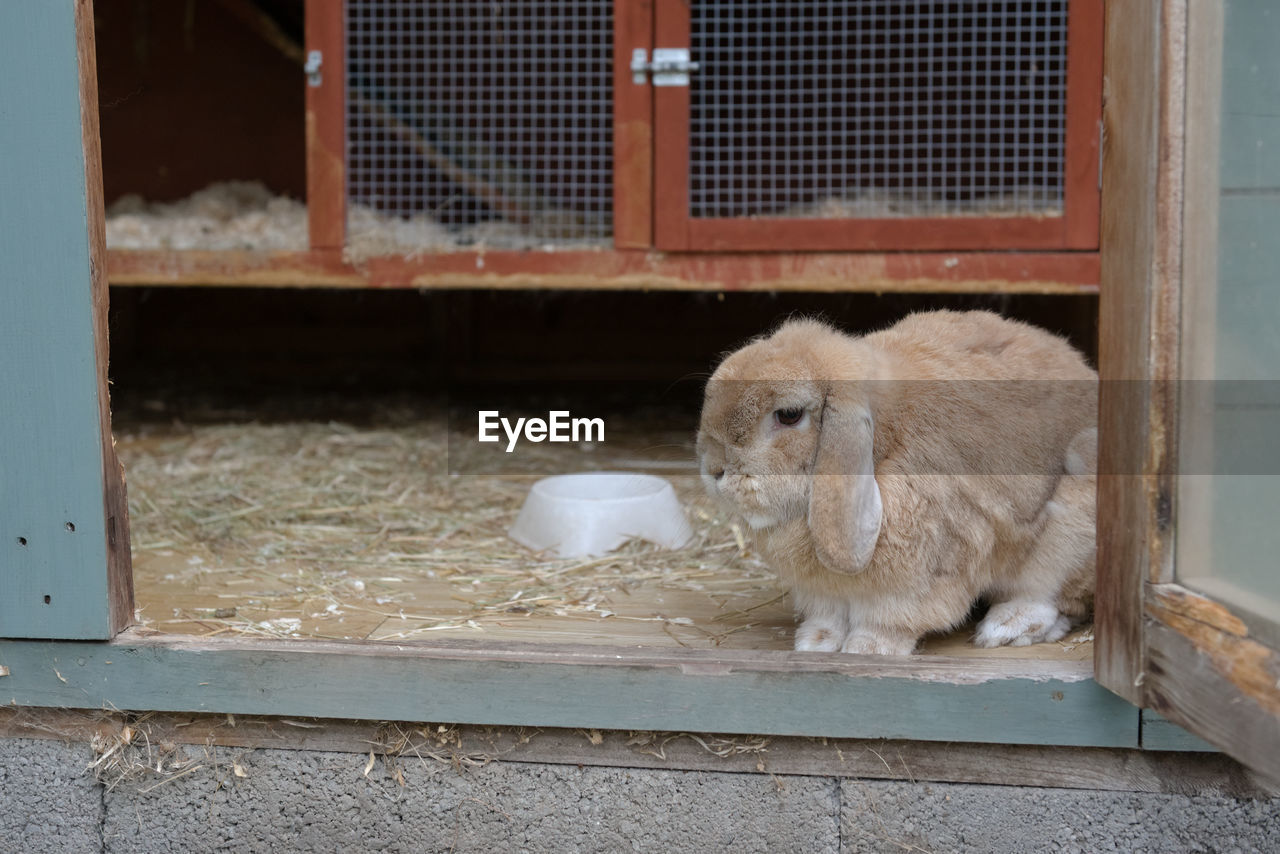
[283, 800]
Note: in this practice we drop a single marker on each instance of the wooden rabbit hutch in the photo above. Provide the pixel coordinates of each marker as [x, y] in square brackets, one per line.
[942, 150]
[539, 145]
[836, 146]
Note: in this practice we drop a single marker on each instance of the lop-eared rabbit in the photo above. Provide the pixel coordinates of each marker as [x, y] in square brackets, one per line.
[894, 479]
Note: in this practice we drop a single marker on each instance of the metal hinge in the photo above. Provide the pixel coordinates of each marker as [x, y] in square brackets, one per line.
[312, 68]
[670, 67]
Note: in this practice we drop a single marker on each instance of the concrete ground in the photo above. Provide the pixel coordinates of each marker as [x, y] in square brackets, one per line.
[285, 800]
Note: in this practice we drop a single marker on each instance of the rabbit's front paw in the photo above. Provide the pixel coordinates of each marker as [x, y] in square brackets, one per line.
[817, 635]
[867, 643]
[1021, 624]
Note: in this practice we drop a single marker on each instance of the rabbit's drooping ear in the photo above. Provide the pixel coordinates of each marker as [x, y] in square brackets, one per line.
[844, 501]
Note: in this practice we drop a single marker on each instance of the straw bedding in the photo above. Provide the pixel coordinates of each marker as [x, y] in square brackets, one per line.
[327, 529]
[356, 529]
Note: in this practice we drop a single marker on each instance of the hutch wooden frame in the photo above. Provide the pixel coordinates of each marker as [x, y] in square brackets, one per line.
[655, 244]
[1158, 645]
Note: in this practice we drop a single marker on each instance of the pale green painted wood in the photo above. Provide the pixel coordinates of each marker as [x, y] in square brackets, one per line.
[1250, 139]
[50, 441]
[1248, 310]
[1239, 534]
[605, 688]
[1159, 733]
[1250, 153]
[1251, 62]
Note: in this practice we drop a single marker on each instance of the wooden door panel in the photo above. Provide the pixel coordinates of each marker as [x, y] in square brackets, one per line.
[846, 126]
[1171, 282]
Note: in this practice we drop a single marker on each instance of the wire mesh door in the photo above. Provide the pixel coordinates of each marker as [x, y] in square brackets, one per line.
[863, 124]
[473, 126]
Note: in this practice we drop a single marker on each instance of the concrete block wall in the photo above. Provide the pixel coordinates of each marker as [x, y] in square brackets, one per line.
[309, 801]
[48, 800]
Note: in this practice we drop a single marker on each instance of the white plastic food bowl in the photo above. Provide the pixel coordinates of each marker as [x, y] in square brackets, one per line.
[579, 515]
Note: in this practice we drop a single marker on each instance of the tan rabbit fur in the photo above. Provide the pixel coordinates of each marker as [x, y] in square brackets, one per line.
[891, 483]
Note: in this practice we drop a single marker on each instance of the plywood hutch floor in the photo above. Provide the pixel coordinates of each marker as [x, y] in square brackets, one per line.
[328, 529]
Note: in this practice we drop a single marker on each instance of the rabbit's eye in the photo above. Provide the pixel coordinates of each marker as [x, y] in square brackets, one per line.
[789, 417]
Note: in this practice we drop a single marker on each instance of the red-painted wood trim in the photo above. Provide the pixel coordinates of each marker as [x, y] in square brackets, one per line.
[632, 128]
[671, 135]
[1081, 172]
[1077, 228]
[326, 131]
[922, 272]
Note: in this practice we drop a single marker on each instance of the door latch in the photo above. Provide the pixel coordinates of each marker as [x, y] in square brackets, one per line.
[671, 66]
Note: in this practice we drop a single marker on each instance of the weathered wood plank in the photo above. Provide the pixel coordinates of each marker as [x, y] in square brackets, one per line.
[1210, 667]
[1159, 733]
[1223, 638]
[1106, 769]
[1128, 223]
[1141, 216]
[64, 544]
[1165, 305]
[1204, 674]
[939, 272]
[114, 498]
[781, 693]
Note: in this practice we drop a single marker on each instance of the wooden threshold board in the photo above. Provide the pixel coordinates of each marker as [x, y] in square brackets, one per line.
[928, 698]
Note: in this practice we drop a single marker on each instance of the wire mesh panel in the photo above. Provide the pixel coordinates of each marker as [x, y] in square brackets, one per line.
[478, 124]
[804, 108]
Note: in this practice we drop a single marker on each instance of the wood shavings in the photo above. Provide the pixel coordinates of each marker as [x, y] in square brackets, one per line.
[879, 203]
[227, 215]
[246, 215]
